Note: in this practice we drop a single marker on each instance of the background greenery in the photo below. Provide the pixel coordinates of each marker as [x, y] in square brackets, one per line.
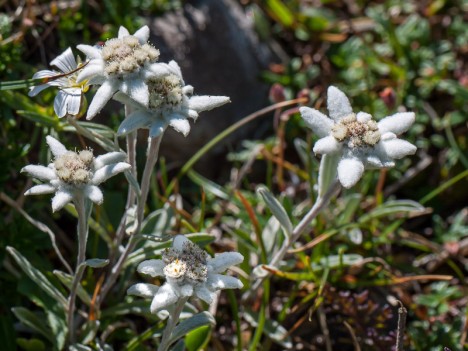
[368, 246]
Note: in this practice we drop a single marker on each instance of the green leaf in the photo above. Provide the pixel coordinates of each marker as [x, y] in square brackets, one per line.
[158, 222]
[35, 275]
[96, 262]
[194, 322]
[89, 331]
[32, 321]
[337, 261]
[272, 328]
[280, 11]
[208, 185]
[276, 209]
[29, 345]
[197, 339]
[393, 207]
[67, 279]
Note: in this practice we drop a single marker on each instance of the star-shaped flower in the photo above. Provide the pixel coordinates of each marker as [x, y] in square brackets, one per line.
[68, 99]
[358, 140]
[170, 103]
[122, 64]
[189, 271]
[73, 174]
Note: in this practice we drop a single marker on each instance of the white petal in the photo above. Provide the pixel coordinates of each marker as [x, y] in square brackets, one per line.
[65, 62]
[327, 145]
[363, 117]
[41, 189]
[317, 121]
[157, 70]
[157, 128]
[45, 73]
[350, 170]
[126, 100]
[60, 199]
[186, 290]
[219, 281]
[91, 52]
[56, 147]
[142, 34]
[174, 67]
[39, 172]
[137, 89]
[102, 96]
[192, 114]
[397, 123]
[338, 104]
[123, 32]
[187, 90]
[206, 103]
[179, 123]
[164, 298]
[67, 101]
[73, 100]
[224, 260]
[104, 173]
[92, 69]
[143, 290]
[154, 268]
[93, 193]
[136, 120]
[37, 89]
[179, 242]
[398, 148]
[203, 293]
[109, 158]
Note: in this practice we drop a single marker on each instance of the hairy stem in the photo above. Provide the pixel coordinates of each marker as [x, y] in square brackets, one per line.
[152, 157]
[171, 323]
[82, 239]
[319, 205]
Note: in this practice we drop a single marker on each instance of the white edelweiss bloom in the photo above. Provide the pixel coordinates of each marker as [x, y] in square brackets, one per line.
[359, 141]
[68, 99]
[189, 271]
[170, 104]
[74, 173]
[122, 64]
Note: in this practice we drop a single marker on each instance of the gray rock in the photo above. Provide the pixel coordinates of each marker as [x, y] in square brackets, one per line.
[219, 53]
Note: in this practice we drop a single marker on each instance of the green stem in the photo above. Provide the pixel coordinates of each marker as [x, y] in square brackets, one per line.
[261, 317]
[171, 323]
[82, 239]
[444, 186]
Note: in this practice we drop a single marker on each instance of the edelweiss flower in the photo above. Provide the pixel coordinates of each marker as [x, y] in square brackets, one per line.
[358, 140]
[74, 173]
[189, 271]
[123, 63]
[170, 103]
[68, 99]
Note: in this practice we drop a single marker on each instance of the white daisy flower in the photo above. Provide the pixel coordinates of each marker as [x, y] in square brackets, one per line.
[189, 271]
[74, 174]
[359, 141]
[68, 99]
[122, 64]
[170, 104]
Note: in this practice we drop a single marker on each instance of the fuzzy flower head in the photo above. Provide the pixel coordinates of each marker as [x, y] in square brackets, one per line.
[70, 94]
[171, 103]
[189, 271]
[357, 139]
[121, 64]
[73, 174]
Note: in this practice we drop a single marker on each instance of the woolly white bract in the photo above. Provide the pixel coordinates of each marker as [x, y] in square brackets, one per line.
[68, 99]
[170, 103]
[74, 174]
[189, 271]
[122, 64]
[356, 139]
